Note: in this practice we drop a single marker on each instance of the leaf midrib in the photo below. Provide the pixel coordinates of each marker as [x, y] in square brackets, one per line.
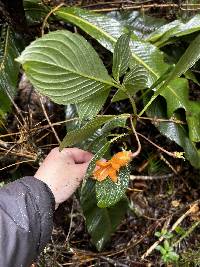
[69, 70]
[88, 23]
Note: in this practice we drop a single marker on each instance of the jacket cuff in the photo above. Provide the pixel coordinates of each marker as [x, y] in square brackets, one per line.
[45, 203]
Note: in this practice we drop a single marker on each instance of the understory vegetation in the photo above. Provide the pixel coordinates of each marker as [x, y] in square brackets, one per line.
[120, 79]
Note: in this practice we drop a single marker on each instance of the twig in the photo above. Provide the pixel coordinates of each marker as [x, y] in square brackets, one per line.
[115, 3]
[162, 120]
[71, 220]
[185, 7]
[17, 163]
[48, 15]
[50, 124]
[113, 262]
[167, 163]
[189, 211]
[137, 152]
[27, 155]
[148, 177]
[172, 154]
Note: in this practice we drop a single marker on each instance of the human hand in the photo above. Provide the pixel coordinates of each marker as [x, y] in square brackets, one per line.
[63, 171]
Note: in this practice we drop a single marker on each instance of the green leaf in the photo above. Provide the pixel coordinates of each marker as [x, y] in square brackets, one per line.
[152, 60]
[101, 223]
[121, 56]
[174, 131]
[188, 59]
[166, 245]
[65, 67]
[193, 120]
[161, 249]
[167, 33]
[116, 122]
[95, 142]
[90, 107]
[136, 79]
[192, 108]
[139, 23]
[109, 193]
[35, 11]
[173, 256]
[179, 230]
[191, 76]
[86, 131]
[158, 234]
[181, 91]
[104, 29]
[9, 69]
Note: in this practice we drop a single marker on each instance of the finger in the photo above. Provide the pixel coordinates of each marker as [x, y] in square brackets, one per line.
[78, 155]
[63, 155]
[80, 171]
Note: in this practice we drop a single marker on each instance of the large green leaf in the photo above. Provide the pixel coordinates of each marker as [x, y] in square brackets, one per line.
[65, 67]
[9, 69]
[109, 193]
[86, 131]
[177, 28]
[121, 56]
[101, 222]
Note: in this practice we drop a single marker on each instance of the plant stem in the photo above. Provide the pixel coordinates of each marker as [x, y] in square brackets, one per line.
[172, 154]
[132, 101]
[48, 15]
[147, 105]
[137, 152]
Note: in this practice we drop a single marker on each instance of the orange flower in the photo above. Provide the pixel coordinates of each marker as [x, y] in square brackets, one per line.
[111, 167]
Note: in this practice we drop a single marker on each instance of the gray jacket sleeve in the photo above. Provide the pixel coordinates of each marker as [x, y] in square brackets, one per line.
[26, 221]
